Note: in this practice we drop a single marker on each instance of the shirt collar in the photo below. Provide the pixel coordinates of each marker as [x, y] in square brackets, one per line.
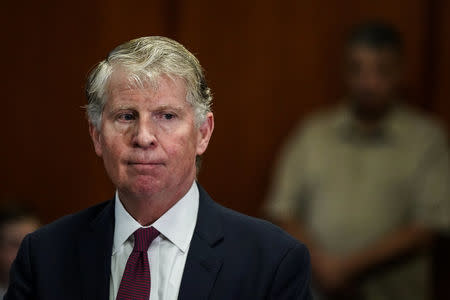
[177, 224]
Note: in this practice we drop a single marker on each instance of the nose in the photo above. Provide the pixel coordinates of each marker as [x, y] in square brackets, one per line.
[144, 136]
[370, 81]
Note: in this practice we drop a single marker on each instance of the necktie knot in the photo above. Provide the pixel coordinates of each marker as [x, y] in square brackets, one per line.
[143, 237]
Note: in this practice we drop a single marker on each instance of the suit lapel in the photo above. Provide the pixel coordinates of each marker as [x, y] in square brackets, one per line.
[95, 247]
[203, 262]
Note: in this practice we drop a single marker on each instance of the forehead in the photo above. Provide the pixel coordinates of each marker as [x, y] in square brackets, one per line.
[123, 86]
[367, 54]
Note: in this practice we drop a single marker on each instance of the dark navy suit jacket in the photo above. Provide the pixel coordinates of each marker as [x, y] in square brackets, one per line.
[231, 256]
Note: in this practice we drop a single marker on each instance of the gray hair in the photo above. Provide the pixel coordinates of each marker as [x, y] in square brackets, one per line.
[145, 59]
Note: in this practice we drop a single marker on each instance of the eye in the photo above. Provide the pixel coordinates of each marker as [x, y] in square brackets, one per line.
[126, 117]
[168, 116]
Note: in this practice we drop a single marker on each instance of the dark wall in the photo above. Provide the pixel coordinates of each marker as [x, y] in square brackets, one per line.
[269, 63]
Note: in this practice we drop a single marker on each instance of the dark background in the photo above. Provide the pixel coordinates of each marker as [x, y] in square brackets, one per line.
[269, 63]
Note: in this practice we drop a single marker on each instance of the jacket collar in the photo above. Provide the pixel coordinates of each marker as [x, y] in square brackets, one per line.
[203, 262]
[95, 248]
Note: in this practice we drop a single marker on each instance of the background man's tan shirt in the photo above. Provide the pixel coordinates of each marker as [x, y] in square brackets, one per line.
[350, 189]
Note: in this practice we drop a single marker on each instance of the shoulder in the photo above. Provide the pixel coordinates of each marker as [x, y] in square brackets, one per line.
[68, 226]
[255, 229]
[262, 250]
[318, 125]
[259, 260]
[246, 233]
[420, 121]
[420, 130]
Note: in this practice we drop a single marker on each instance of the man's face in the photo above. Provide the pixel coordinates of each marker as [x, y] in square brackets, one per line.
[148, 138]
[372, 78]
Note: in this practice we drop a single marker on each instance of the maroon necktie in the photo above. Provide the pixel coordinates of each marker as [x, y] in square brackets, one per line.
[135, 284]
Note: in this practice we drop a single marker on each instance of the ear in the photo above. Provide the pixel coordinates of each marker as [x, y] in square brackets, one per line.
[205, 131]
[96, 137]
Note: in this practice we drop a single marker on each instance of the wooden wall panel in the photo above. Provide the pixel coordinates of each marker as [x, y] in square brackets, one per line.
[441, 87]
[48, 49]
[269, 63]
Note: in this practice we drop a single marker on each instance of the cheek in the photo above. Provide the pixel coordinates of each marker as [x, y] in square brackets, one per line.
[113, 150]
[182, 149]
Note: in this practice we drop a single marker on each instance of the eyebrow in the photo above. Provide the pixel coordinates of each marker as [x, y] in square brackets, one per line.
[118, 108]
[160, 108]
[169, 107]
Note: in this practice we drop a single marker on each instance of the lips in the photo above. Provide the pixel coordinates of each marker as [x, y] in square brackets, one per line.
[150, 163]
[145, 165]
[142, 160]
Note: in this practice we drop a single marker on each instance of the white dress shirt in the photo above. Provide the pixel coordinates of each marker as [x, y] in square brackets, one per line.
[166, 254]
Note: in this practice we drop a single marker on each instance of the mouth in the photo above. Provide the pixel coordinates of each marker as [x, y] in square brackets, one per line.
[144, 165]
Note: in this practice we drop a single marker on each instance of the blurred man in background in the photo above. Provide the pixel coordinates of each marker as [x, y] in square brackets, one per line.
[365, 185]
[15, 223]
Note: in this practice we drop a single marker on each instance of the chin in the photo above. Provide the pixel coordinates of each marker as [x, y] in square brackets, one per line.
[147, 187]
[142, 186]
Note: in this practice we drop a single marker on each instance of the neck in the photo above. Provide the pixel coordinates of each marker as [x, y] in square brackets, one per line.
[146, 209]
[367, 125]
[369, 119]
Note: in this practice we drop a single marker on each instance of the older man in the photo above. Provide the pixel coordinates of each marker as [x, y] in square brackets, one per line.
[162, 236]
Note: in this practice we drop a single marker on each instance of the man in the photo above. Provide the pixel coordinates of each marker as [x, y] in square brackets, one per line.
[15, 223]
[161, 237]
[365, 186]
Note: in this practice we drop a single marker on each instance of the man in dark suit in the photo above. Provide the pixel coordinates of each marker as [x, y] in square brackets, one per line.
[162, 236]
